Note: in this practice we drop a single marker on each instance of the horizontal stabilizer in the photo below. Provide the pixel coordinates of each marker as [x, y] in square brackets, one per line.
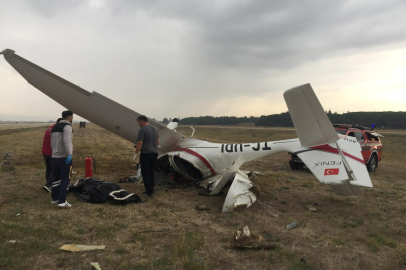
[310, 120]
[339, 165]
[350, 151]
[327, 166]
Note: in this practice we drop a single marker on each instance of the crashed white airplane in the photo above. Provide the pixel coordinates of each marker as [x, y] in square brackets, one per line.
[342, 166]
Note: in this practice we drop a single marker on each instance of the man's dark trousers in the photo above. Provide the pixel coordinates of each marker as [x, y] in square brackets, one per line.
[62, 173]
[49, 170]
[147, 161]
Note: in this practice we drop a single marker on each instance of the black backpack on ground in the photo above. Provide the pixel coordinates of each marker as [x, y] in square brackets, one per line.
[97, 191]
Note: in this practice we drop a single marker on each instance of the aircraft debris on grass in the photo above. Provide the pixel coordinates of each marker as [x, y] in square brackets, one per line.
[213, 165]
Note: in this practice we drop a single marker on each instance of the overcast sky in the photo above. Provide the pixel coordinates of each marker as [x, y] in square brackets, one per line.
[194, 58]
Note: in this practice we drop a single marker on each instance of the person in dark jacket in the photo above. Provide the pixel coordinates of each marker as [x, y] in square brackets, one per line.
[147, 144]
[47, 153]
[62, 148]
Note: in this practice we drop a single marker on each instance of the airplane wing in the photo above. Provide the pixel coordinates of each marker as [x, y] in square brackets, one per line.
[92, 106]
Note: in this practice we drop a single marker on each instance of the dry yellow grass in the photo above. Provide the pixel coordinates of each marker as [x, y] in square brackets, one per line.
[366, 232]
[17, 125]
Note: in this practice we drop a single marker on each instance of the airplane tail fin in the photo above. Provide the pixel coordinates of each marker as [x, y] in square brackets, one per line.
[336, 161]
[310, 120]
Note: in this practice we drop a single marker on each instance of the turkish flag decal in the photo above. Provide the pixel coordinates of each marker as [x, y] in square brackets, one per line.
[331, 171]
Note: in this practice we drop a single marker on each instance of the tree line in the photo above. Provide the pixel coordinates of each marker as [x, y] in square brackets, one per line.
[377, 119]
[222, 120]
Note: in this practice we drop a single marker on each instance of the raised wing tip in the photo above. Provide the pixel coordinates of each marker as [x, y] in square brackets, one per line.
[7, 51]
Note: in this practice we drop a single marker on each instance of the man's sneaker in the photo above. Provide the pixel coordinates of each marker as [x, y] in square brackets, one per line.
[56, 201]
[64, 205]
[46, 188]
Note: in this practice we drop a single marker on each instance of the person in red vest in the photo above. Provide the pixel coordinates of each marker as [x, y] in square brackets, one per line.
[47, 153]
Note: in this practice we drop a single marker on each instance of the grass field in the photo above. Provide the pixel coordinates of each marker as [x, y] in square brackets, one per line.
[166, 232]
[19, 125]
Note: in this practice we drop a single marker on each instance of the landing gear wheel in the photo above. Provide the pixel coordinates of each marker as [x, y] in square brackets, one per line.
[372, 163]
[295, 165]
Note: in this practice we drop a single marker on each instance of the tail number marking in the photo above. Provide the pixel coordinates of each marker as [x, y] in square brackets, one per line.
[230, 148]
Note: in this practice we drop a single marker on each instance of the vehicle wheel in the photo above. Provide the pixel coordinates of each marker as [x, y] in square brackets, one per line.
[295, 165]
[372, 163]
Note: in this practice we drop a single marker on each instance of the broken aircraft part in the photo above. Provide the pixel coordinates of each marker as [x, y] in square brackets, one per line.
[292, 225]
[77, 248]
[239, 193]
[197, 160]
[220, 183]
[95, 266]
[244, 239]
[173, 124]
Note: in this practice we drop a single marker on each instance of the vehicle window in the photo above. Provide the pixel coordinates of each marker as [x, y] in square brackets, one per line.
[372, 137]
[342, 132]
[351, 134]
[359, 136]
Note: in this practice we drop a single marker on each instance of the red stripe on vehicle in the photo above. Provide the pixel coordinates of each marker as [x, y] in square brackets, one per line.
[198, 156]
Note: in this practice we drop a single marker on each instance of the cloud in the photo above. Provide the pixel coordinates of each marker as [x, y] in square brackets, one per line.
[279, 34]
[52, 8]
[164, 57]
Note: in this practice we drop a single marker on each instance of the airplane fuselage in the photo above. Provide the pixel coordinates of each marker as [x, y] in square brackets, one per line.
[212, 158]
